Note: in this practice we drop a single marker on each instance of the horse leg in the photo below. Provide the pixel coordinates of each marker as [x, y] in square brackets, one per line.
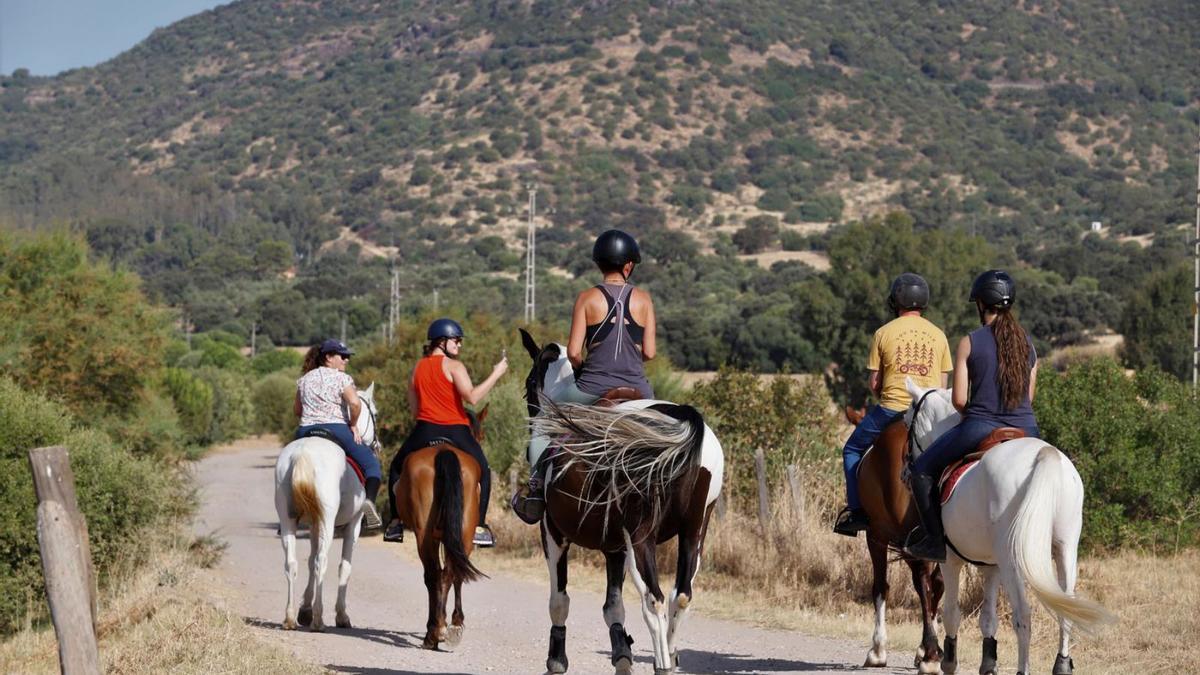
[952, 613]
[349, 540]
[644, 572]
[433, 583]
[306, 601]
[455, 631]
[447, 581]
[1014, 585]
[877, 656]
[988, 620]
[929, 655]
[322, 541]
[560, 602]
[1065, 558]
[691, 541]
[287, 530]
[614, 613]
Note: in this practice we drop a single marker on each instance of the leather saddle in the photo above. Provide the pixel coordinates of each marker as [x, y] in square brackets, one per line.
[957, 469]
[322, 433]
[618, 395]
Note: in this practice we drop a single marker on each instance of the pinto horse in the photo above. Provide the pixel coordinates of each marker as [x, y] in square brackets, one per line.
[1018, 512]
[313, 482]
[437, 495]
[892, 516]
[624, 479]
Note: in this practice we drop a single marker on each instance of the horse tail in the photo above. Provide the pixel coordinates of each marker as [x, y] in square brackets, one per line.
[1030, 540]
[448, 498]
[304, 492]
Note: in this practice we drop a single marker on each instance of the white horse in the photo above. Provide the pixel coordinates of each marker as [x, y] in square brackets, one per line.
[1019, 511]
[313, 482]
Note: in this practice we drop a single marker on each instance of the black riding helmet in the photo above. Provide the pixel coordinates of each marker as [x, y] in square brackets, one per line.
[614, 248]
[909, 291]
[444, 328]
[995, 289]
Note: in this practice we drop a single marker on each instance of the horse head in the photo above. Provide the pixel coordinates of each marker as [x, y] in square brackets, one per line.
[931, 414]
[477, 422]
[366, 422]
[550, 372]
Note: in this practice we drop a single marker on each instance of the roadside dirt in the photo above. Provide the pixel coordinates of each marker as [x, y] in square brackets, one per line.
[507, 624]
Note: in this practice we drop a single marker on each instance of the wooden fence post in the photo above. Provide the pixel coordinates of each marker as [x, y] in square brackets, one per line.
[513, 477]
[764, 500]
[66, 561]
[793, 477]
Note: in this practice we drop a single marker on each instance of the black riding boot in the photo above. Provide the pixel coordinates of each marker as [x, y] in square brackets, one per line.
[371, 519]
[529, 503]
[927, 542]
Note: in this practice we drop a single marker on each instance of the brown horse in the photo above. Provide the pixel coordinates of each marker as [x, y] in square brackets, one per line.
[633, 475]
[437, 495]
[892, 516]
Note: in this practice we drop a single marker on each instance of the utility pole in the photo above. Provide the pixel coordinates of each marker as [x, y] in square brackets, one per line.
[530, 248]
[1196, 288]
[253, 338]
[393, 306]
[435, 299]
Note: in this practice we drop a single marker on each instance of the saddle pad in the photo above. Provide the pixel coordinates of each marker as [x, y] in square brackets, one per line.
[951, 476]
[321, 433]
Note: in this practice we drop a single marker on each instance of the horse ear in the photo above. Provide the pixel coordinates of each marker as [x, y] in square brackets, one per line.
[482, 414]
[913, 390]
[530, 345]
[370, 392]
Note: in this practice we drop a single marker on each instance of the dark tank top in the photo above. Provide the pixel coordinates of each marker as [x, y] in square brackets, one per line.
[983, 368]
[613, 355]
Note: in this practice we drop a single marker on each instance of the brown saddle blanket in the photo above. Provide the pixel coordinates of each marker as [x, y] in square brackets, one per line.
[618, 395]
[956, 469]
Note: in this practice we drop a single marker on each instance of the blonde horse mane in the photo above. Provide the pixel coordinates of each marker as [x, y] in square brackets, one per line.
[628, 451]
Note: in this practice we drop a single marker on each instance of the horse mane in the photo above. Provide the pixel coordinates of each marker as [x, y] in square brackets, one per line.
[626, 452]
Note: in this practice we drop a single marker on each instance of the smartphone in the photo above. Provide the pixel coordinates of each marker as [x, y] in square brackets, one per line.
[503, 353]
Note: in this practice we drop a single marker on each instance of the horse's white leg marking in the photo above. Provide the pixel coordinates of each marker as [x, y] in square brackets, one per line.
[878, 654]
[951, 612]
[654, 611]
[679, 607]
[560, 602]
[349, 540]
[287, 530]
[322, 541]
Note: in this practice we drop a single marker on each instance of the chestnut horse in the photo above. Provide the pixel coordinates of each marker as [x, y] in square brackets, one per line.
[624, 479]
[437, 496]
[892, 516]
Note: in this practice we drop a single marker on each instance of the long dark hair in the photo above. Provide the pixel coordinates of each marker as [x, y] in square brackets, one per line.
[1012, 354]
[313, 358]
[433, 346]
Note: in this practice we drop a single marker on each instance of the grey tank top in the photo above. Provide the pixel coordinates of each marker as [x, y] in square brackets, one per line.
[613, 358]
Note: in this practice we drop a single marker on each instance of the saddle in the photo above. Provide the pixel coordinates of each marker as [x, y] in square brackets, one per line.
[618, 395]
[322, 433]
[953, 473]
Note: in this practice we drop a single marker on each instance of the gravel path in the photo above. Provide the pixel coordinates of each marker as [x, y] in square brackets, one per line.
[507, 625]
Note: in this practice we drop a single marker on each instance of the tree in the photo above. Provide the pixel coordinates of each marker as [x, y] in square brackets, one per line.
[1157, 322]
[758, 233]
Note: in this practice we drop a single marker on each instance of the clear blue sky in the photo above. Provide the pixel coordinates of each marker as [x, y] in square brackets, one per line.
[50, 36]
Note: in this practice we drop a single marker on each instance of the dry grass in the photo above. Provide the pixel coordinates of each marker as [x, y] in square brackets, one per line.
[803, 577]
[161, 621]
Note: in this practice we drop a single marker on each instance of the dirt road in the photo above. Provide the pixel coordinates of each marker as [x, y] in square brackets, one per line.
[507, 624]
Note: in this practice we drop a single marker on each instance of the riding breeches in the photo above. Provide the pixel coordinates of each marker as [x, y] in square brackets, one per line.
[863, 437]
[425, 434]
[362, 454]
[957, 443]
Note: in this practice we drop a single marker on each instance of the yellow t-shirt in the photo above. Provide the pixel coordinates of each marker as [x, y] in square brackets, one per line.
[908, 346]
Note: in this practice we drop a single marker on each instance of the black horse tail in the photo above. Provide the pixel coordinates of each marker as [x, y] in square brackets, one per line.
[448, 496]
[694, 420]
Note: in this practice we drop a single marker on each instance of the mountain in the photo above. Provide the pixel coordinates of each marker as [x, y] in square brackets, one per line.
[409, 130]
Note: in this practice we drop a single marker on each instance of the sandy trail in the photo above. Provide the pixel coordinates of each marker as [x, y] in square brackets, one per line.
[507, 624]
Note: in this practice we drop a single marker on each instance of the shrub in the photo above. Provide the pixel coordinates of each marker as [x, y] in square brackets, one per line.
[758, 233]
[233, 410]
[273, 397]
[276, 360]
[193, 399]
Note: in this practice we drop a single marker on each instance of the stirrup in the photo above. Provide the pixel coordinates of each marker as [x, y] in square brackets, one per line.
[483, 537]
[529, 506]
[850, 522]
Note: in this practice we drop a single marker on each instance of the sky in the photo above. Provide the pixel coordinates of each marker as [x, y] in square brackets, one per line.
[50, 36]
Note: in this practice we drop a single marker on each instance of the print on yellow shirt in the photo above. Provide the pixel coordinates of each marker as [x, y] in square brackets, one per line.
[908, 346]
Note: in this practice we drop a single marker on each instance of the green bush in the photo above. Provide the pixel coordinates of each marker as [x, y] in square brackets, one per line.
[273, 398]
[233, 410]
[276, 360]
[153, 428]
[193, 399]
[119, 495]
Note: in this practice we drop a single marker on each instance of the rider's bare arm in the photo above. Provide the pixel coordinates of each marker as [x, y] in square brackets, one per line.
[297, 406]
[350, 396]
[962, 379]
[1033, 382]
[578, 331]
[649, 346]
[462, 380]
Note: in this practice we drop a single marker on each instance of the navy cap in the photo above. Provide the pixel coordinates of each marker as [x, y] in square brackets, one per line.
[332, 346]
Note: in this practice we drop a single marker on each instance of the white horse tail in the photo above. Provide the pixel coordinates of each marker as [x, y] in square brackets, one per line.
[1030, 544]
[304, 492]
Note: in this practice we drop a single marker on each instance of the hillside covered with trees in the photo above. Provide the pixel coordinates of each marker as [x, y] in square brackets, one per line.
[265, 163]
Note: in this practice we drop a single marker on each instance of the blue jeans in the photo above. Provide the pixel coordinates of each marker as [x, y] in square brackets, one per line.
[872, 424]
[957, 443]
[361, 454]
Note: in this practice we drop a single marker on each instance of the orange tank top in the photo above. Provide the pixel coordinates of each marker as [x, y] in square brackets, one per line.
[437, 400]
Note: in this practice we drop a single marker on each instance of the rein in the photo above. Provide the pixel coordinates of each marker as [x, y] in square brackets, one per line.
[912, 436]
[375, 444]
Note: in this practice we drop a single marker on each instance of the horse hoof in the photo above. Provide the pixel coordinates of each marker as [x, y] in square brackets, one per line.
[929, 667]
[290, 624]
[305, 616]
[623, 666]
[454, 636]
[555, 666]
[949, 668]
[875, 659]
[317, 628]
[343, 622]
[1063, 665]
[430, 643]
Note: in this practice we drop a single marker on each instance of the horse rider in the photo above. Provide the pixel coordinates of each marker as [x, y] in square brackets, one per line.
[614, 322]
[437, 389]
[995, 375]
[907, 346]
[321, 392]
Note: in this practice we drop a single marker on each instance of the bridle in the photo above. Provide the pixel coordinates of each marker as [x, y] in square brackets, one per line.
[912, 425]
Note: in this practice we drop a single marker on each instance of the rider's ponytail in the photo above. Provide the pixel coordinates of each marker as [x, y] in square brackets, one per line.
[433, 345]
[1012, 353]
[312, 359]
